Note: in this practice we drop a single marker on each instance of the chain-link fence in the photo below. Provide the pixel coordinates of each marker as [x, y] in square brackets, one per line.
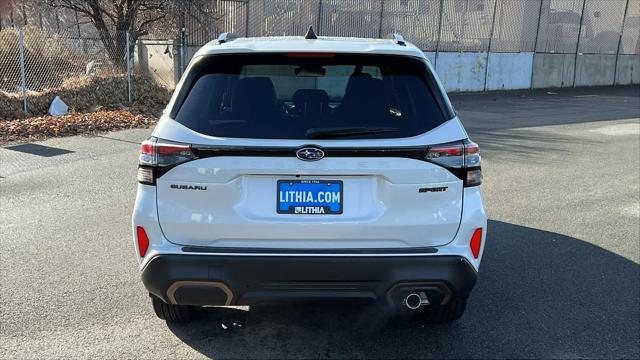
[546, 26]
[630, 40]
[86, 73]
[36, 66]
[56, 56]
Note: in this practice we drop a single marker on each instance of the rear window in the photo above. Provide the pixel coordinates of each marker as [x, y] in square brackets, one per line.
[303, 96]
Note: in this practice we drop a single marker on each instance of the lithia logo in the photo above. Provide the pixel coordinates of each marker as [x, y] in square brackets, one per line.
[188, 187]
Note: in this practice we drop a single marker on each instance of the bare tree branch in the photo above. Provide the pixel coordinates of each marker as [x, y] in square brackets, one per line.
[145, 23]
[113, 18]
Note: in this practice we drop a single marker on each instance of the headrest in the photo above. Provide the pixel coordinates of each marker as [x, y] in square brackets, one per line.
[362, 90]
[253, 95]
[310, 95]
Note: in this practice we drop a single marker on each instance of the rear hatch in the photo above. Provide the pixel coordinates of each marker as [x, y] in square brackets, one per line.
[309, 151]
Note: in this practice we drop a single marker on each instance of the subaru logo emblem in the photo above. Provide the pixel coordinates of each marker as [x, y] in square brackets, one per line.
[310, 154]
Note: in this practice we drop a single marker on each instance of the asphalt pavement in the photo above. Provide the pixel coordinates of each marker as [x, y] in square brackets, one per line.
[560, 277]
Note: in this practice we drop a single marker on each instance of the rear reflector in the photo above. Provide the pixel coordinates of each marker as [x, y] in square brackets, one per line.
[476, 241]
[143, 241]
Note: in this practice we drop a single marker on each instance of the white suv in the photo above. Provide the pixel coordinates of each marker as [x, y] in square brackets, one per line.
[309, 168]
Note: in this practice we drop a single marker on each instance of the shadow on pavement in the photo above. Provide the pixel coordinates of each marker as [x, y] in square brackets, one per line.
[529, 142]
[540, 294]
[40, 150]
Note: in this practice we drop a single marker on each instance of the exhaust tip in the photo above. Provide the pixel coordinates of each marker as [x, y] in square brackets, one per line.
[413, 301]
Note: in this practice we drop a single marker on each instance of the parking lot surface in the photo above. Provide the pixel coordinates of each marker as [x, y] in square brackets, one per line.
[560, 276]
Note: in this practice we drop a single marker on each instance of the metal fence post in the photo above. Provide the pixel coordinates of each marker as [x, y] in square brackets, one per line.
[535, 43]
[575, 58]
[129, 67]
[439, 33]
[615, 69]
[381, 16]
[182, 41]
[493, 24]
[246, 18]
[319, 17]
[23, 70]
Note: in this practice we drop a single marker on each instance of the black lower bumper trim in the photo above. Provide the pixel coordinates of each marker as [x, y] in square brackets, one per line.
[230, 250]
[246, 280]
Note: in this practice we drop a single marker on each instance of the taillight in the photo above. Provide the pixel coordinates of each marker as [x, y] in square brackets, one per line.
[476, 242]
[157, 156]
[143, 240]
[460, 157]
[450, 155]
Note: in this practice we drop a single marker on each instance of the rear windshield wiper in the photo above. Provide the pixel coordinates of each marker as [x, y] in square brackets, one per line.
[337, 132]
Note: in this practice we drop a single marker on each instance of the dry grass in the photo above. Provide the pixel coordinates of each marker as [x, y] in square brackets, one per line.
[56, 65]
[39, 128]
[87, 93]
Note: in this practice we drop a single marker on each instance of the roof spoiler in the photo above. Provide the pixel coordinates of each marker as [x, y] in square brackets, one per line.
[397, 38]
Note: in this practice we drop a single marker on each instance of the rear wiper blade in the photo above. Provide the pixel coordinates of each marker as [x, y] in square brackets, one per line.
[337, 132]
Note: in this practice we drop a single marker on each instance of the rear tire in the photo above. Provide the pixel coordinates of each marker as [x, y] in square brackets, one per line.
[452, 311]
[172, 313]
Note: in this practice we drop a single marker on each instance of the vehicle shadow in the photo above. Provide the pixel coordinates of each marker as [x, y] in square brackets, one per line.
[530, 143]
[503, 110]
[540, 294]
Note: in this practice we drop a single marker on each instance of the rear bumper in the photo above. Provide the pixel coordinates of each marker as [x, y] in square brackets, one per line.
[247, 280]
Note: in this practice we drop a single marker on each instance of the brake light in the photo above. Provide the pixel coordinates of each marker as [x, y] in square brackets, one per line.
[157, 156]
[460, 157]
[143, 240]
[476, 241]
[311, 54]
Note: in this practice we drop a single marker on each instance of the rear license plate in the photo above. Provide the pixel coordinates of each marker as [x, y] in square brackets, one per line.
[310, 197]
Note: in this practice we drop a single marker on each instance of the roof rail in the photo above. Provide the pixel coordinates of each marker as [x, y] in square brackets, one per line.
[397, 38]
[226, 37]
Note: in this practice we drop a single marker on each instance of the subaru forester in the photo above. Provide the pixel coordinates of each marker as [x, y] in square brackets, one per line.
[309, 168]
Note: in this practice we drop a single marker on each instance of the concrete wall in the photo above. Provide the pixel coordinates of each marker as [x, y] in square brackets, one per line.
[431, 55]
[159, 60]
[474, 71]
[552, 70]
[508, 71]
[462, 71]
[593, 70]
[628, 70]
